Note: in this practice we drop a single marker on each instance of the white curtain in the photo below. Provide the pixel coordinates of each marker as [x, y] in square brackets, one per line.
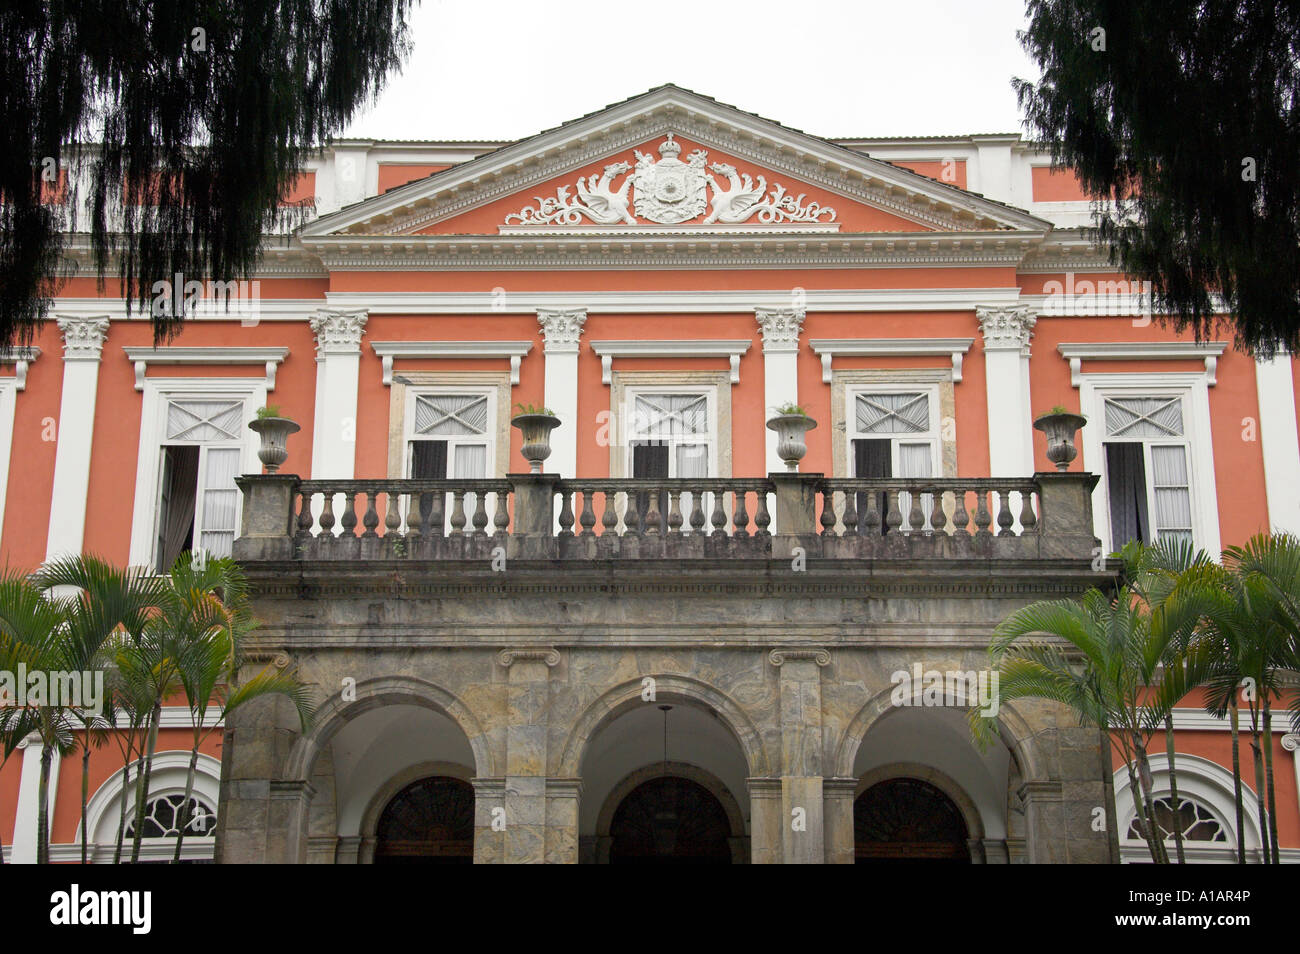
[693, 461]
[469, 462]
[220, 500]
[1173, 493]
[914, 460]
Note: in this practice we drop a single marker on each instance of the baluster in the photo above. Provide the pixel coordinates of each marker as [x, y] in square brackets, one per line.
[1028, 519]
[850, 516]
[566, 513]
[697, 510]
[653, 519]
[609, 519]
[392, 512]
[893, 516]
[631, 525]
[371, 519]
[480, 518]
[500, 513]
[437, 526]
[828, 513]
[982, 516]
[304, 517]
[349, 521]
[871, 522]
[327, 515]
[1005, 519]
[960, 517]
[740, 518]
[762, 519]
[588, 518]
[458, 513]
[719, 516]
[675, 513]
[915, 516]
[938, 520]
[413, 518]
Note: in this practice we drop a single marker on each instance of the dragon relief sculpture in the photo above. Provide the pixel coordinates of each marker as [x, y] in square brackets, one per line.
[669, 192]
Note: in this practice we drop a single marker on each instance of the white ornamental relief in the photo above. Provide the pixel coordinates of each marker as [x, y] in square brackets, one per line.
[670, 192]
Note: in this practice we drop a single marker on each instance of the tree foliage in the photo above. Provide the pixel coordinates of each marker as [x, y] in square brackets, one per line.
[1187, 114]
[179, 129]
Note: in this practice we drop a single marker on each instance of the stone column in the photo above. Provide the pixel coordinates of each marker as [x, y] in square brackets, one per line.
[562, 820]
[83, 344]
[23, 850]
[841, 846]
[489, 821]
[803, 838]
[1291, 743]
[262, 817]
[1278, 441]
[1006, 331]
[780, 328]
[338, 364]
[527, 704]
[562, 328]
[765, 822]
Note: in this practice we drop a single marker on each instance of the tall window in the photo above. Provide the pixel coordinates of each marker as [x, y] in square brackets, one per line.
[670, 435]
[198, 507]
[451, 436]
[895, 434]
[1148, 469]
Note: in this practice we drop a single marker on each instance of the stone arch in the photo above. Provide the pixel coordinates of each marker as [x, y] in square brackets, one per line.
[1014, 730]
[668, 688]
[941, 780]
[383, 691]
[388, 791]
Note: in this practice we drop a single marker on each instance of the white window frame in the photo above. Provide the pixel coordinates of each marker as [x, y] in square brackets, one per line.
[158, 392]
[710, 394]
[8, 408]
[1193, 388]
[487, 439]
[933, 435]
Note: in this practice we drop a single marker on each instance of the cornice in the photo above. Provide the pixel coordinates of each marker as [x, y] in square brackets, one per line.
[675, 348]
[1077, 353]
[953, 348]
[512, 350]
[270, 358]
[21, 358]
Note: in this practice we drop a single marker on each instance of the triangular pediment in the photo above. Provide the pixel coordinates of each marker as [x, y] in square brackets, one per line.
[672, 161]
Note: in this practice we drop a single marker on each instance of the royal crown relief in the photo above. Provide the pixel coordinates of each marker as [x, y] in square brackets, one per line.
[670, 192]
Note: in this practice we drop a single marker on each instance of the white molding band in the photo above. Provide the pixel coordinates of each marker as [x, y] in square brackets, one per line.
[1278, 443]
[827, 348]
[1078, 352]
[270, 358]
[512, 350]
[609, 350]
[21, 359]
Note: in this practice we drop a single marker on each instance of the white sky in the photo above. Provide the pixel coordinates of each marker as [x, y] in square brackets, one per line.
[505, 69]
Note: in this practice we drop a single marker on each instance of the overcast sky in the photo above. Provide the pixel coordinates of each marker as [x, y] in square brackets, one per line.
[505, 69]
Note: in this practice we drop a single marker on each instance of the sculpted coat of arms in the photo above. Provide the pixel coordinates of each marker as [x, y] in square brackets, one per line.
[669, 192]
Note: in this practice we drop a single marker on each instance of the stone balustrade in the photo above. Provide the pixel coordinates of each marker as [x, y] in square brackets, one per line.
[1047, 516]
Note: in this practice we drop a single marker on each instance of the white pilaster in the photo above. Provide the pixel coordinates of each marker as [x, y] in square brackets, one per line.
[780, 328]
[562, 328]
[1291, 743]
[83, 344]
[1278, 441]
[29, 786]
[338, 367]
[1006, 331]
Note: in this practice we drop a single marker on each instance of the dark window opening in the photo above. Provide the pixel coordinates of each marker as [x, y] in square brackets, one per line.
[1126, 483]
[180, 484]
[872, 458]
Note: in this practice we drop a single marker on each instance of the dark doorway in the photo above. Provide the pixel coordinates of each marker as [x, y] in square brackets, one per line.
[905, 819]
[670, 820]
[428, 822]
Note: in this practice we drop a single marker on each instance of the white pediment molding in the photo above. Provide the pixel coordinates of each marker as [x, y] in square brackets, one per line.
[828, 348]
[1078, 352]
[21, 358]
[512, 350]
[269, 358]
[682, 348]
[607, 134]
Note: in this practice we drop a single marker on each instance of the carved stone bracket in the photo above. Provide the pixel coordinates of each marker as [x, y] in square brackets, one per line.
[821, 657]
[550, 656]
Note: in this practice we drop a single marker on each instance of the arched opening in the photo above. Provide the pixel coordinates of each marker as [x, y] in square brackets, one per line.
[906, 819]
[670, 820]
[430, 821]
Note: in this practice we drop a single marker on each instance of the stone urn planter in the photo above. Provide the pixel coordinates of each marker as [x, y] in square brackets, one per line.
[536, 428]
[790, 443]
[1060, 426]
[274, 432]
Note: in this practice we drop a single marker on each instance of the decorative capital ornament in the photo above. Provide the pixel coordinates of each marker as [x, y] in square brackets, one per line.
[1006, 327]
[780, 328]
[83, 338]
[339, 332]
[562, 328]
[778, 657]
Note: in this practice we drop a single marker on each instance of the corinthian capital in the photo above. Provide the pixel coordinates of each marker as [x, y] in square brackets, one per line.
[339, 332]
[780, 328]
[1006, 327]
[562, 328]
[83, 338]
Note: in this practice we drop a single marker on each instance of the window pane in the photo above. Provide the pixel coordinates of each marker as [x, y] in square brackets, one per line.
[429, 460]
[914, 460]
[451, 414]
[470, 461]
[204, 420]
[693, 460]
[1126, 483]
[220, 500]
[893, 413]
[665, 416]
[1144, 417]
